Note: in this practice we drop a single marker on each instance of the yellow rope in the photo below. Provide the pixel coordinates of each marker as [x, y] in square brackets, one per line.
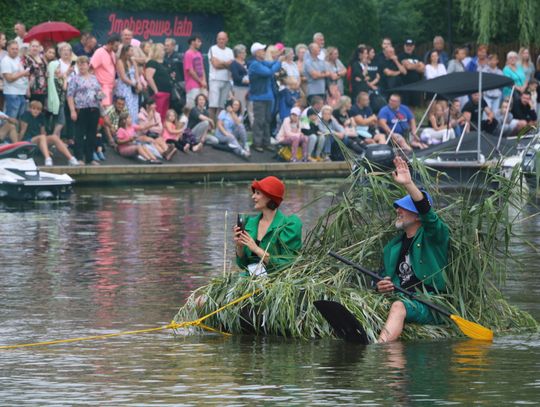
[172, 325]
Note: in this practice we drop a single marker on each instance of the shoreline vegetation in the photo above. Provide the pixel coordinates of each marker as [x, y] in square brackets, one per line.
[357, 225]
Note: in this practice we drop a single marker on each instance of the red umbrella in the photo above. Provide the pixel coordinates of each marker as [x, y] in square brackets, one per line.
[52, 31]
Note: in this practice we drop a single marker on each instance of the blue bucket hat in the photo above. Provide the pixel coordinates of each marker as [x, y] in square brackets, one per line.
[407, 203]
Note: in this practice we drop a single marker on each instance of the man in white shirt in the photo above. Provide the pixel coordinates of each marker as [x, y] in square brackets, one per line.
[15, 81]
[20, 30]
[220, 58]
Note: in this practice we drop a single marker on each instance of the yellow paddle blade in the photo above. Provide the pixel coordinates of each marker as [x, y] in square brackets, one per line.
[472, 329]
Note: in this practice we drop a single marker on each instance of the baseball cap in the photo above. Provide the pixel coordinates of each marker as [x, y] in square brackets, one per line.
[296, 111]
[409, 41]
[256, 47]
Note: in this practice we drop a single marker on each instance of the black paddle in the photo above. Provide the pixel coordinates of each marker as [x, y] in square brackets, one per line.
[344, 324]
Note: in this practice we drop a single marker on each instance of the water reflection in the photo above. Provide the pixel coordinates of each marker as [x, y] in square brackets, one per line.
[126, 258]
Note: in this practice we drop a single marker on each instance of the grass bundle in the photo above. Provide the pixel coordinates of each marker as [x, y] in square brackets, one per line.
[358, 226]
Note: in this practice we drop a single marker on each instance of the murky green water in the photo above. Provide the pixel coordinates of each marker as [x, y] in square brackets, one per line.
[123, 258]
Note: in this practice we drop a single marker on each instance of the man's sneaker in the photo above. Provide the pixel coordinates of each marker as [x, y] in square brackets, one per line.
[73, 162]
[48, 162]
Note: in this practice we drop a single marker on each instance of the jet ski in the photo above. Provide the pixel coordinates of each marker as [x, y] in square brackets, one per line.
[21, 179]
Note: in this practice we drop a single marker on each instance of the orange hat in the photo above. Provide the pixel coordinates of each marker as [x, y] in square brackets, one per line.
[272, 187]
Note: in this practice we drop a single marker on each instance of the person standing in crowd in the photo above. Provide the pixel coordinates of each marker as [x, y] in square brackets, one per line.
[194, 70]
[288, 64]
[38, 72]
[434, 68]
[359, 71]
[240, 78]
[316, 73]
[220, 58]
[392, 72]
[15, 81]
[456, 64]
[318, 38]
[415, 70]
[127, 83]
[438, 45]
[300, 50]
[396, 120]
[514, 72]
[479, 62]
[84, 96]
[173, 62]
[20, 30]
[524, 61]
[270, 240]
[78, 49]
[103, 63]
[3, 53]
[336, 69]
[261, 74]
[493, 96]
[159, 80]
[470, 114]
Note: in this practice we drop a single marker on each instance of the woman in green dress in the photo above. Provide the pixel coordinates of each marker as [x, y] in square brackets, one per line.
[269, 241]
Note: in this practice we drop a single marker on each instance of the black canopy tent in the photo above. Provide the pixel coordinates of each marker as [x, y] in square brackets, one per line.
[457, 84]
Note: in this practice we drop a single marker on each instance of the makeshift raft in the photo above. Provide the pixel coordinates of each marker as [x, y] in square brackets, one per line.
[357, 226]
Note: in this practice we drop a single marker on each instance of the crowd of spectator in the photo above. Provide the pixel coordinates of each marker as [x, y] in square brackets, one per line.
[148, 100]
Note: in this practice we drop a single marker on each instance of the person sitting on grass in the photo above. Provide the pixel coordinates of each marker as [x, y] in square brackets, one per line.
[178, 137]
[414, 259]
[126, 138]
[290, 134]
[32, 129]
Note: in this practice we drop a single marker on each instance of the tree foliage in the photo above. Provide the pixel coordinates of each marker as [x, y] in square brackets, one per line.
[344, 23]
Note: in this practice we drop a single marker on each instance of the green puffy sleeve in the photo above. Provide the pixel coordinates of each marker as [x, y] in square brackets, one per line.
[288, 243]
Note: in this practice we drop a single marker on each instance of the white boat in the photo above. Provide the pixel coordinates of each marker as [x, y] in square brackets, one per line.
[21, 179]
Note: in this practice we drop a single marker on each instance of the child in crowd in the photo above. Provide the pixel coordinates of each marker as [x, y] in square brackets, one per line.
[439, 130]
[126, 137]
[510, 125]
[310, 128]
[32, 129]
[178, 136]
[290, 134]
[457, 121]
[288, 97]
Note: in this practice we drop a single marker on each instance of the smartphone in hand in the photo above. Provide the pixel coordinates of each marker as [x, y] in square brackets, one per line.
[240, 222]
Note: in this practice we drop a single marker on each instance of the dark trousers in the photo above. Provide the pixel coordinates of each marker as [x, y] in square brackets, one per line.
[85, 133]
[262, 117]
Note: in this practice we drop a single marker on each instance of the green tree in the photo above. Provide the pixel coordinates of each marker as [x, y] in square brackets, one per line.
[502, 20]
[345, 23]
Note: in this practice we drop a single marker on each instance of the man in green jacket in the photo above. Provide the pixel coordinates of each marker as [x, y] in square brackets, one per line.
[415, 259]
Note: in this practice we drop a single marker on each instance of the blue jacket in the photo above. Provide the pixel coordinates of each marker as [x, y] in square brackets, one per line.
[260, 79]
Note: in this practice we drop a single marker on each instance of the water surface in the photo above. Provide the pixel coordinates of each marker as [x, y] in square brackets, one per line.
[124, 258]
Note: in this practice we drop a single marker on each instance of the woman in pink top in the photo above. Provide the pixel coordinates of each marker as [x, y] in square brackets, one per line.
[291, 134]
[126, 137]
